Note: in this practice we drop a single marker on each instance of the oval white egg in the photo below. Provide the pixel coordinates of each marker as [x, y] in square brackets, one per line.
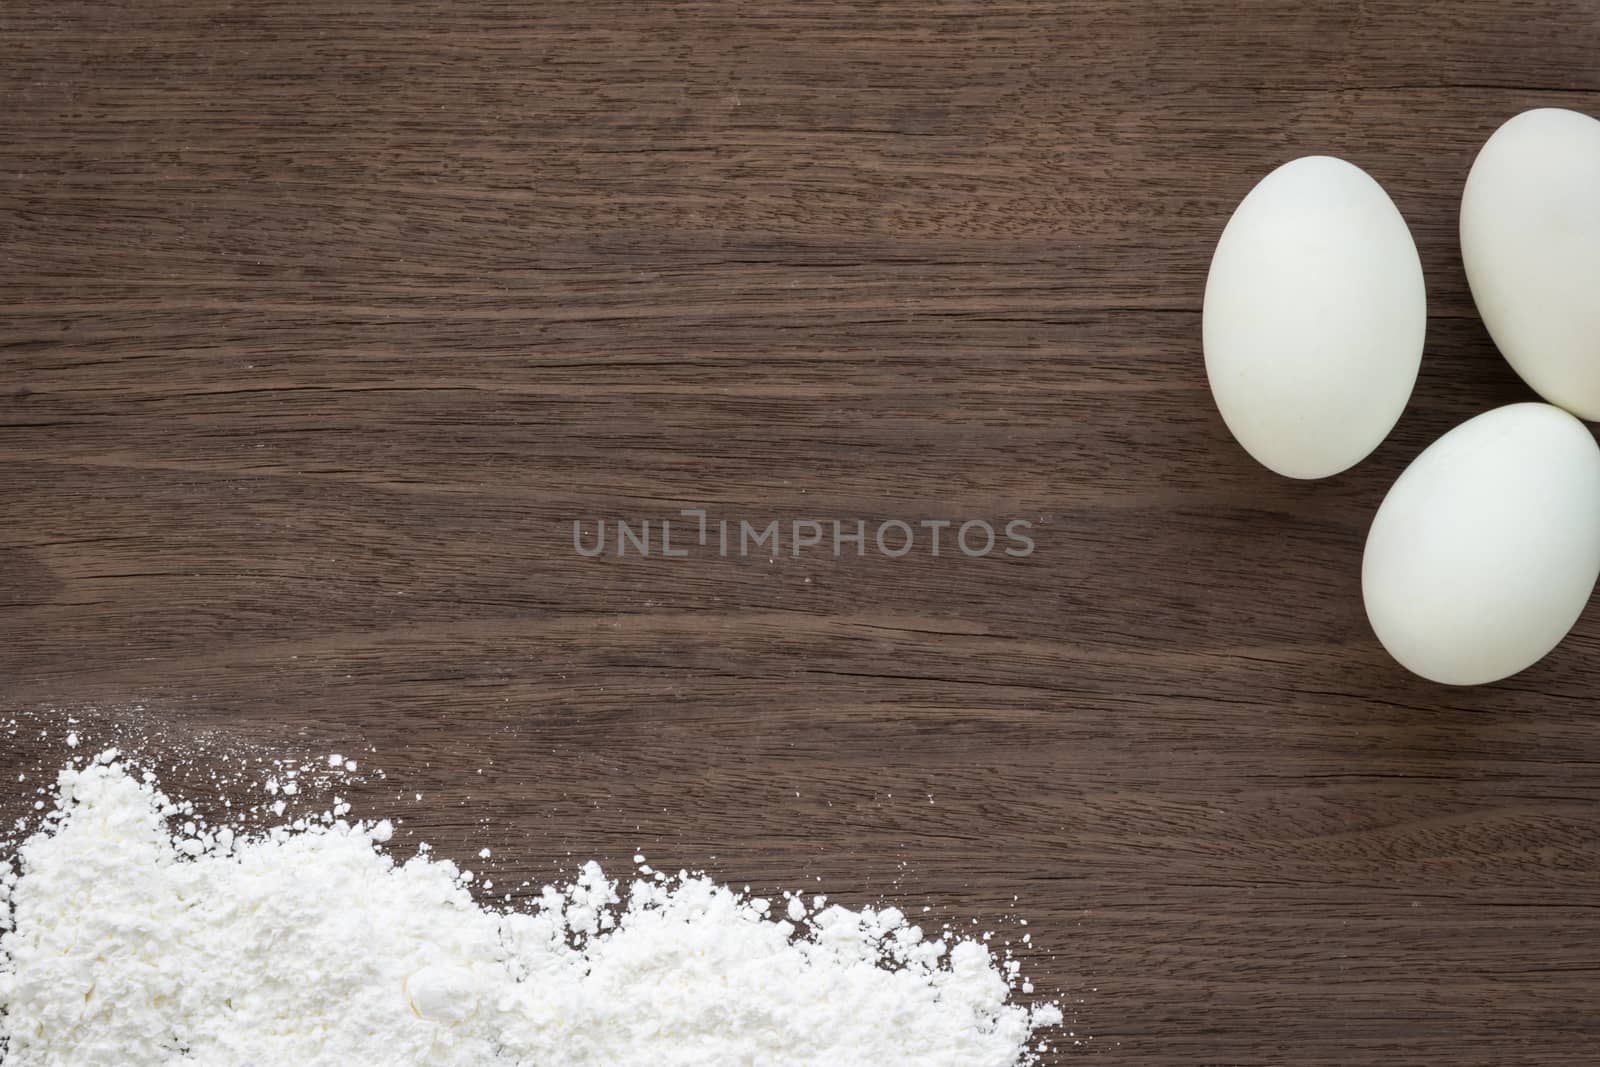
[1314, 318]
[1530, 242]
[1484, 552]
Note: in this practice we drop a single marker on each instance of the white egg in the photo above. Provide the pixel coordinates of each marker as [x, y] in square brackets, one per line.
[1314, 318]
[1486, 549]
[1530, 241]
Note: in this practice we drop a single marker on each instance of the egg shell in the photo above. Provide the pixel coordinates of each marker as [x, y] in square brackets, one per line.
[1530, 242]
[1485, 550]
[1314, 318]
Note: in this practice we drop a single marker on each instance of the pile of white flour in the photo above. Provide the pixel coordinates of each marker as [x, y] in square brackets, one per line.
[131, 936]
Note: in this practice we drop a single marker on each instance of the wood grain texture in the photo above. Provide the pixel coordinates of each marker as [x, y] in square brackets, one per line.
[324, 320]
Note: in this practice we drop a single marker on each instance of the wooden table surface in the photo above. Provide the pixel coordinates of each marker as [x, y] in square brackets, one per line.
[323, 322]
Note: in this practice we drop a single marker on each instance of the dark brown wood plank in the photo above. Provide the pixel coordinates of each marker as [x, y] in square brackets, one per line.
[324, 321]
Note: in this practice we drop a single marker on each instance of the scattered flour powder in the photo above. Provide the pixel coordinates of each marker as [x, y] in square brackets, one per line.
[130, 936]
